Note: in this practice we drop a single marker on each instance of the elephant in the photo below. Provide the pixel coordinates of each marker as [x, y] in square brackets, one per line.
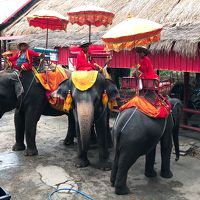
[30, 105]
[135, 134]
[88, 109]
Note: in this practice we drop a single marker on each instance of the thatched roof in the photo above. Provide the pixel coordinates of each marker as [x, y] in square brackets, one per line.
[181, 19]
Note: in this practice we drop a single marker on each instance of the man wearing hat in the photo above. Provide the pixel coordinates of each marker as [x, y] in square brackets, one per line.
[145, 63]
[23, 59]
[83, 62]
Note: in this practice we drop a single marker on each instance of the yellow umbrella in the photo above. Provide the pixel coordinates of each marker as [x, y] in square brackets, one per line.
[130, 33]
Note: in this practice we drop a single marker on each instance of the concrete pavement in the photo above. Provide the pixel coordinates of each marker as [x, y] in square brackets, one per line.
[32, 178]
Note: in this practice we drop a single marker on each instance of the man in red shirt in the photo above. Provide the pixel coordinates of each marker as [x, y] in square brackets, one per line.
[83, 62]
[146, 67]
[23, 59]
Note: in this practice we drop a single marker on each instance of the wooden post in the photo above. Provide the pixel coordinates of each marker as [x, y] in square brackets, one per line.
[0, 56]
[186, 95]
[197, 80]
[4, 46]
[89, 33]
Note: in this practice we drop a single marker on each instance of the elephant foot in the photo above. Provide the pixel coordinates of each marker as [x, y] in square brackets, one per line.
[80, 163]
[30, 152]
[150, 174]
[112, 181]
[68, 143]
[168, 174]
[18, 147]
[122, 190]
[104, 165]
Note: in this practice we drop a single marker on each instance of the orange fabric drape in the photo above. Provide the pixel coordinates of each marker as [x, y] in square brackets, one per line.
[147, 108]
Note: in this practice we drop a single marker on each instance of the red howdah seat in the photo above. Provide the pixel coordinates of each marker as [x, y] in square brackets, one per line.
[162, 87]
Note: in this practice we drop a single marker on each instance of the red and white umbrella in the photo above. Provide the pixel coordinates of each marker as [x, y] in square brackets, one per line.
[90, 15]
[48, 19]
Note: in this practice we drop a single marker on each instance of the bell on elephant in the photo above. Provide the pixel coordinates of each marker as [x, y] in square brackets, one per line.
[68, 102]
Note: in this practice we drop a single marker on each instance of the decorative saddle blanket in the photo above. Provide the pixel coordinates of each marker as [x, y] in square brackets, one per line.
[161, 110]
[84, 80]
[51, 81]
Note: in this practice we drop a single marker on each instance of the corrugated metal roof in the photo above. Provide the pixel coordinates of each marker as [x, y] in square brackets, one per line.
[10, 7]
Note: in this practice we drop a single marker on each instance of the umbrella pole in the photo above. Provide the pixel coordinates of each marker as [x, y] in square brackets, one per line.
[47, 38]
[89, 33]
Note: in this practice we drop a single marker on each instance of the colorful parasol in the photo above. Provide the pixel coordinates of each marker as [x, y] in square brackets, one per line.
[130, 33]
[90, 15]
[47, 19]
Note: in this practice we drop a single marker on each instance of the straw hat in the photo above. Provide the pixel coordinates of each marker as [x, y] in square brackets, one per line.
[7, 53]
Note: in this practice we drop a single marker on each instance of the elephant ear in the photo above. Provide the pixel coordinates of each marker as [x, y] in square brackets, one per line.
[112, 91]
[63, 89]
[19, 90]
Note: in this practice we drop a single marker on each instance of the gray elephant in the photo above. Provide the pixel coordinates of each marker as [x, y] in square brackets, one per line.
[88, 109]
[137, 134]
[31, 102]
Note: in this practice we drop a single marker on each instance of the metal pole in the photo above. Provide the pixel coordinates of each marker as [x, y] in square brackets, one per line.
[89, 33]
[4, 45]
[47, 38]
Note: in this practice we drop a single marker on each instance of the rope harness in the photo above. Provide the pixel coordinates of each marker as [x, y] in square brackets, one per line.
[125, 125]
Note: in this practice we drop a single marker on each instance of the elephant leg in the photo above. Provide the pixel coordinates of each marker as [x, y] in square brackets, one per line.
[82, 159]
[166, 149]
[149, 165]
[71, 133]
[114, 169]
[102, 137]
[93, 139]
[19, 120]
[125, 162]
[31, 120]
[110, 142]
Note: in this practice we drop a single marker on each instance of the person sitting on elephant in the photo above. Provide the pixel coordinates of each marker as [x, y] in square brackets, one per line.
[23, 59]
[83, 61]
[146, 66]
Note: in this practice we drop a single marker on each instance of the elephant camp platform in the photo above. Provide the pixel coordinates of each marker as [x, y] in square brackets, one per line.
[32, 178]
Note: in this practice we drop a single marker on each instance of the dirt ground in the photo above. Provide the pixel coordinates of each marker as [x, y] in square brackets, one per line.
[33, 178]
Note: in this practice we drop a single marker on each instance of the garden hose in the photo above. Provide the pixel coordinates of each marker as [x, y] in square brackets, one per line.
[70, 189]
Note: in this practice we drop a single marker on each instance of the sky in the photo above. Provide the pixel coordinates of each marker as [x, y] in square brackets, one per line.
[8, 7]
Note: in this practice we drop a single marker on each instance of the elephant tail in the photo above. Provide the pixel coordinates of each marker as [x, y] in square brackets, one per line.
[176, 139]
[177, 111]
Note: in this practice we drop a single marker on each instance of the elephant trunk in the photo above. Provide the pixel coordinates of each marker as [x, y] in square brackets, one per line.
[85, 114]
